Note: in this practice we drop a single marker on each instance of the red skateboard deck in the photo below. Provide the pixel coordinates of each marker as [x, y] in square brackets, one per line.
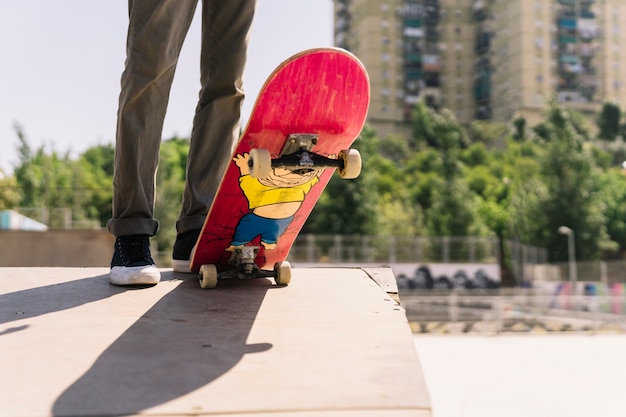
[319, 97]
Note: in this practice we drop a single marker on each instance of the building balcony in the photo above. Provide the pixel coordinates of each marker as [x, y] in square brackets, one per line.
[567, 84]
[569, 38]
[411, 99]
[413, 87]
[569, 59]
[482, 63]
[569, 69]
[432, 100]
[575, 98]
[412, 22]
[431, 63]
[587, 14]
[566, 23]
[432, 80]
[412, 59]
[482, 86]
[567, 13]
[431, 15]
[482, 42]
[413, 33]
[413, 74]
[479, 10]
[432, 35]
[483, 112]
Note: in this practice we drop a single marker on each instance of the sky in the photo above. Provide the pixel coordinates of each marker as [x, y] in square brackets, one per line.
[61, 62]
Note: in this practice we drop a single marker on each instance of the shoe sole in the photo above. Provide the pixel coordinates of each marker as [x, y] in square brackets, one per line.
[134, 275]
[180, 265]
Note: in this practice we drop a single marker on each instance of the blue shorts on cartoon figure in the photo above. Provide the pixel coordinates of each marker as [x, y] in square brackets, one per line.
[250, 226]
[273, 202]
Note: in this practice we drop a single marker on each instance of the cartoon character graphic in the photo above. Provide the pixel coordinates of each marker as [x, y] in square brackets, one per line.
[273, 202]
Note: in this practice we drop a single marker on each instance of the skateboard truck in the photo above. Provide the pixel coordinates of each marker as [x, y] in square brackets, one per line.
[243, 260]
[297, 157]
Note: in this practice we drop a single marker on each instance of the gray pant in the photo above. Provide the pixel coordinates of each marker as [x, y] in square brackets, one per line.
[156, 31]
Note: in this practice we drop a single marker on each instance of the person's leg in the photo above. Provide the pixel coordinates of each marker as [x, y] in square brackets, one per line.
[226, 28]
[156, 31]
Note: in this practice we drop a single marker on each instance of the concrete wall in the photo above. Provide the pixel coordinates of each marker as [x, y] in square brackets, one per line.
[56, 248]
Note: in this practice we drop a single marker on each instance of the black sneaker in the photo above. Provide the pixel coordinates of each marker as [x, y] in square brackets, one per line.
[132, 263]
[183, 247]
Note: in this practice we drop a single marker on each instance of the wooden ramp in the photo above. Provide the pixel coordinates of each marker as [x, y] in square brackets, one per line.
[333, 343]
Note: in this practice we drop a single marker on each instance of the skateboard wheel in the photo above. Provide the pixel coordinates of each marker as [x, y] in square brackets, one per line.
[260, 163]
[283, 273]
[208, 276]
[351, 164]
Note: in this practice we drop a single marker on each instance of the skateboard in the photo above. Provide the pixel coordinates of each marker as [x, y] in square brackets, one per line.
[307, 115]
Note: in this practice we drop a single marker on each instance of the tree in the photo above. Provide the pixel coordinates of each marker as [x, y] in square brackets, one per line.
[608, 122]
[47, 181]
[170, 185]
[350, 206]
[9, 195]
[453, 210]
[613, 195]
[95, 174]
[571, 198]
[519, 133]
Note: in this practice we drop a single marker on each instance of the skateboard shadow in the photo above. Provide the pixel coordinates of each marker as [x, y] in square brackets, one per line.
[188, 339]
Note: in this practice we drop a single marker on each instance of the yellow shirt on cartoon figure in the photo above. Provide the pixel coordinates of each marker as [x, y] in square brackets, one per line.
[260, 195]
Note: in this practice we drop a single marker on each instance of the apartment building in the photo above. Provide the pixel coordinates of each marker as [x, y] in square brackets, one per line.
[485, 59]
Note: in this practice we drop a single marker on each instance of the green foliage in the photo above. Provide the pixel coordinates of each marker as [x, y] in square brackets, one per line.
[487, 133]
[569, 173]
[609, 122]
[9, 195]
[95, 172]
[446, 180]
[350, 206]
[612, 195]
[59, 184]
[169, 192]
[520, 129]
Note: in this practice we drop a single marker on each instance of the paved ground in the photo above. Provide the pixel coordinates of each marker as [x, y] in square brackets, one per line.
[332, 343]
[526, 375]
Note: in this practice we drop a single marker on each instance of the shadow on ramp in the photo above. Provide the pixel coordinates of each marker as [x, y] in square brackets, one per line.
[188, 339]
[39, 301]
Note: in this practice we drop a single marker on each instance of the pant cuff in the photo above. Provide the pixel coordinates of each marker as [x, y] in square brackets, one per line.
[185, 224]
[124, 227]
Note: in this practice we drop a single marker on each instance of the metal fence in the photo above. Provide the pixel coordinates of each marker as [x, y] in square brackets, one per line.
[408, 249]
[513, 311]
[57, 218]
